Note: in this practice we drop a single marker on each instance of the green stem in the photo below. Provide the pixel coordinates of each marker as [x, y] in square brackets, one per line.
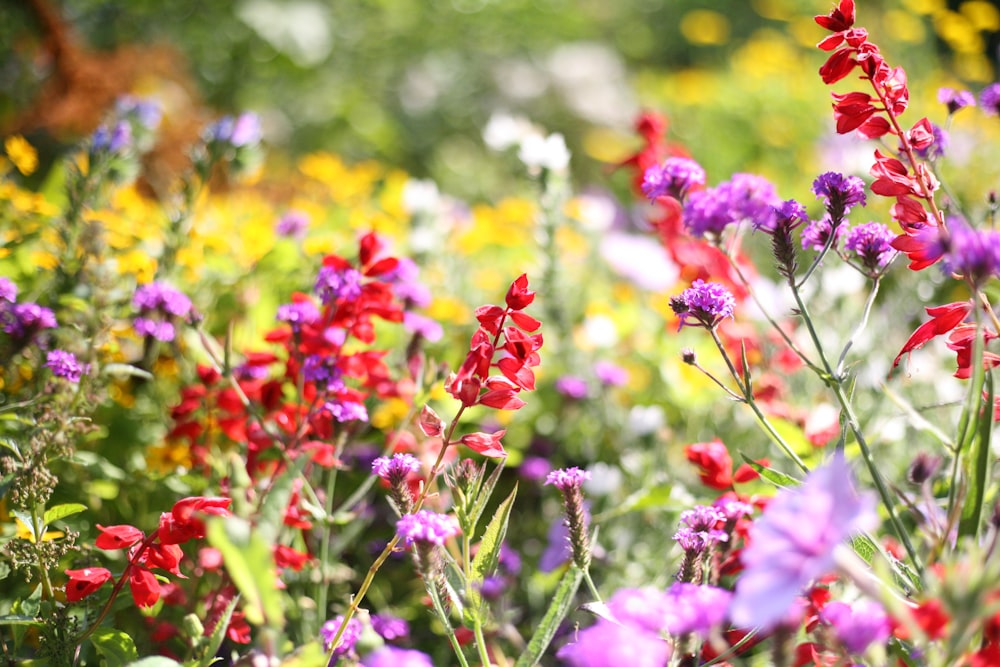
[861, 327]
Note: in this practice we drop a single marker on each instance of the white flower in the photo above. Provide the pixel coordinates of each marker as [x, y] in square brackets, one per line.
[539, 152]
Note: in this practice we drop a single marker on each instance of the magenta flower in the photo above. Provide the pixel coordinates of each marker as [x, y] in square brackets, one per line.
[673, 178]
[567, 479]
[607, 644]
[857, 626]
[395, 469]
[870, 242]
[743, 197]
[348, 640]
[333, 284]
[24, 321]
[298, 313]
[8, 291]
[817, 233]
[65, 365]
[694, 608]
[390, 656]
[572, 386]
[989, 99]
[427, 527]
[292, 224]
[840, 193]
[956, 99]
[705, 303]
[792, 543]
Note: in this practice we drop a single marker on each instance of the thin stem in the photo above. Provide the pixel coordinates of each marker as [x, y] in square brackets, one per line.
[591, 586]
[816, 261]
[860, 328]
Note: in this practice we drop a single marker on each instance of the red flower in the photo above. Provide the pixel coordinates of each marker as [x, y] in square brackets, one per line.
[289, 557]
[182, 523]
[943, 319]
[144, 586]
[519, 296]
[84, 582]
[960, 340]
[840, 19]
[487, 444]
[164, 556]
[714, 463]
[117, 537]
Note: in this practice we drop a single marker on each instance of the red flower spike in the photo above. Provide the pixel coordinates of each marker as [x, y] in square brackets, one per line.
[943, 319]
[490, 317]
[838, 66]
[85, 582]
[519, 296]
[960, 341]
[144, 586]
[525, 321]
[891, 177]
[840, 19]
[430, 423]
[289, 557]
[117, 537]
[921, 135]
[164, 556]
[487, 444]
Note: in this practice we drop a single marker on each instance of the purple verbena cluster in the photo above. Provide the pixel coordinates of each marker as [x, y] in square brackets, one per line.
[333, 284]
[567, 479]
[703, 304]
[674, 178]
[871, 243]
[65, 365]
[743, 197]
[426, 527]
[160, 305]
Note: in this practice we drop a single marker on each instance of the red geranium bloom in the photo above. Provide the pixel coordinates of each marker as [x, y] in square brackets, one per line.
[84, 582]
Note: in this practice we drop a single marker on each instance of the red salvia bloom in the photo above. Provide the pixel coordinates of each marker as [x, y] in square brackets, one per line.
[84, 582]
[144, 586]
[117, 537]
[487, 444]
[943, 319]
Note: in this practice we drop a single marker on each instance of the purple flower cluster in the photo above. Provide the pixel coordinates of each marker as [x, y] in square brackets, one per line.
[870, 242]
[298, 313]
[112, 139]
[323, 371]
[840, 193]
[989, 99]
[390, 628]
[567, 479]
[789, 215]
[817, 233]
[572, 386]
[333, 284]
[793, 542]
[147, 113]
[391, 656]
[346, 411]
[956, 99]
[24, 321]
[396, 468]
[673, 178]
[159, 305]
[610, 374]
[706, 304]
[347, 641]
[8, 291]
[607, 644]
[698, 529]
[693, 608]
[857, 626]
[427, 527]
[65, 365]
[292, 224]
[971, 253]
[743, 197]
[243, 130]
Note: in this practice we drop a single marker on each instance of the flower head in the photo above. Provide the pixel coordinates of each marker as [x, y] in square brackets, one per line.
[698, 530]
[705, 303]
[971, 253]
[870, 242]
[84, 582]
[348, 640]
[936, 148]
[607, 644]
[24, 321]
[567, 479]
[989, 99]
[298, 313]
[857, 626]
[391, 656]
[694, 608]
[390, 628]
[956, 99]
[395, 468]
[8, 291]
[609, 374]
[427, 527]
[840, 193]
[743, 197]
[572, 386]
[65, 365]
[792, 543]
[673, 178]
[333, 284]
[292, 224]
[817, 233]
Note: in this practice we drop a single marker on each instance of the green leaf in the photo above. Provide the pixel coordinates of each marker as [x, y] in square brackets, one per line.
[126, 370]
[485, 493]
[62, 511]
[19, 619]
[155, 661]
[250, 564]
[779, 479]
[488, 554]
[561, 603]
[979, 460]
[272, 512]
[116, 647]
[209, 646]
[29, 606]
[11, 444]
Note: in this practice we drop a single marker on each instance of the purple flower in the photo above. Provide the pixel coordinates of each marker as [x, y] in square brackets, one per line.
[8, 291]
[972, 253]
[817, 233]
[572, 386]
[24, 321]
[534, 468]
[333, 284]
[989, 99]
[406, 285]
[705, 303]
[673, 178]
[698, 529]
[694, 608]
[732, 509]
[609, 374]
[293, 223]
[158, 329]
[298, 313]
[859, 626]
[792, 543]
[112, 140]
[322, 370]
[346, 411]
[840, 193]
[391, 656]
[428, 328]
[607, 644]
[743, 197]
[240, 131]
[789, 214]
[642, 608]
[65, 365]
[146, 112]
[162, 298]
[870, 242]
[567, 479]
[956, 99]
[395, 468]
[347, 641]
[390, 628]
[427, 527]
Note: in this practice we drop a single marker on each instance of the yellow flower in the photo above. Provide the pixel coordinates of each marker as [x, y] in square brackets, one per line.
[166, 458]
[389, 414]
[24, 532]
[21, 153]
